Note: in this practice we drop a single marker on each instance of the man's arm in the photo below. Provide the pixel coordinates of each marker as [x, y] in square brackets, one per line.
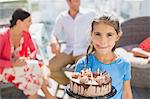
[58, 28]
[55, 48]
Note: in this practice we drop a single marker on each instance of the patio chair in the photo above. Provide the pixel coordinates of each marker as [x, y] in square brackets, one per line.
[135, 30]
[8, 91]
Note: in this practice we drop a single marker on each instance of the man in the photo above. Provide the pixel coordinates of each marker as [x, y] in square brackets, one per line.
[75, 24]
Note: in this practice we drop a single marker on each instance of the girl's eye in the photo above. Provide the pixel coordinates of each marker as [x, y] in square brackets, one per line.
[97, 33]
[109, 34]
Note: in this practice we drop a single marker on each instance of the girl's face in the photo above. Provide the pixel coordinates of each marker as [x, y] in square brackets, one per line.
[25, 24]
[104, 38]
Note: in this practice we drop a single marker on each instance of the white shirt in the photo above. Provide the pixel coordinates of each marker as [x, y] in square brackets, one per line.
[76, 31]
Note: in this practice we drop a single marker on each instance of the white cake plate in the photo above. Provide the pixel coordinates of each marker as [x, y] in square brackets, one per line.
[109, 95]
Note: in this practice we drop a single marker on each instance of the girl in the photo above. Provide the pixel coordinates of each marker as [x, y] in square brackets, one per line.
[100, 55]
[16, 48]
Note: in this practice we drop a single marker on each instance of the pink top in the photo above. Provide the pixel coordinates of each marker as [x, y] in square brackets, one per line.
[145, 45]
[5, 48]
[29, 48]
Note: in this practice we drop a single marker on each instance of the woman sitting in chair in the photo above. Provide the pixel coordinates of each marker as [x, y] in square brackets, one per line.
[17, 52]
[143, 50]
[137, 56]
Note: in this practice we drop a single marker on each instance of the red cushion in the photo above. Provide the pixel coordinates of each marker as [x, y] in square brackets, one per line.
[145, 45]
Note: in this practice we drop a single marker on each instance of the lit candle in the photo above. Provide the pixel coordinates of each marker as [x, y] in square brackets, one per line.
[98, 70]
[91, 76]
[89, 69]
[101, 73]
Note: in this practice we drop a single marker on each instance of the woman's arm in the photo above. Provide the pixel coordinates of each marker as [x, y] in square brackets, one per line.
[140, 53]
[5, 63]
[32, 46]
[127, 93]
[4, 58]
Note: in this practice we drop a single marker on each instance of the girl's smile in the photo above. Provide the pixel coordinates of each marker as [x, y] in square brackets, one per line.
[104, 38]
[100, 47]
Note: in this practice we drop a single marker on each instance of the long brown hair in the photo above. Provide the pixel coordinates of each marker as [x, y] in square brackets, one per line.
[109, 20]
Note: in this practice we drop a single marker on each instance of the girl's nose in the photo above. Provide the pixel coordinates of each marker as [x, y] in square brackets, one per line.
[103, 40]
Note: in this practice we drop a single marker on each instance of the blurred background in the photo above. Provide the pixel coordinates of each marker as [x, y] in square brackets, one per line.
[44, 13]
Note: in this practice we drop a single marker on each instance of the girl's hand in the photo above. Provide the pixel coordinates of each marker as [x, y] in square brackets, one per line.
[51, 97]
[19, 62]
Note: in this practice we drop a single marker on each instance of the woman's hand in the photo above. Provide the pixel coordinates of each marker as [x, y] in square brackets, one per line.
[19, 62]
[24, 58]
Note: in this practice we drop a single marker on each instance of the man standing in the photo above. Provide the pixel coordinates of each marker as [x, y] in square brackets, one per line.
[75, 24]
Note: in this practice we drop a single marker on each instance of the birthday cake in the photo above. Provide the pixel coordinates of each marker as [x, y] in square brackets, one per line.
[90, 84]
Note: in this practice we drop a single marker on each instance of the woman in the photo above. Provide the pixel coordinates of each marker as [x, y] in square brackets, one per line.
[16, 47]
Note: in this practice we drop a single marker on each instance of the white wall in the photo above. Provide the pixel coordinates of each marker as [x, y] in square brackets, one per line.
[145, 8]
